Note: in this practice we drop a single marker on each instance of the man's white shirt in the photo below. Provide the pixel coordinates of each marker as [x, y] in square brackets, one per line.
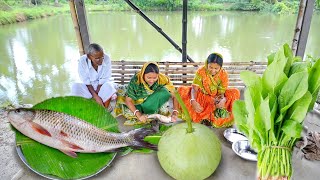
[89, 76]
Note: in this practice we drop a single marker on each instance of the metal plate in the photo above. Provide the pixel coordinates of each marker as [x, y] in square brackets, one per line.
[233, 135]
[242, 148]
[22, 157]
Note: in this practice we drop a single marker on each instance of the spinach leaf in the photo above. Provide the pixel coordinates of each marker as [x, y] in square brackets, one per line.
[271, 58]
[262, 121]
[299, 109]
[293, 89]
[252, 102]
[292, 128]
[273, 78]
[298, 67]
[314, 82]
[240, 116]
[288, 54]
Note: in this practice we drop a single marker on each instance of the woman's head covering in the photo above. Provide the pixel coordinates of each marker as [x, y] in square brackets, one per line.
[162, 79]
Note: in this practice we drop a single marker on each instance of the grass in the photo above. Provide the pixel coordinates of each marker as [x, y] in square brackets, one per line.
[19, 14]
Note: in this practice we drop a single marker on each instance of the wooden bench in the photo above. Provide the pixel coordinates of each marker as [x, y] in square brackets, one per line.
[183, 73]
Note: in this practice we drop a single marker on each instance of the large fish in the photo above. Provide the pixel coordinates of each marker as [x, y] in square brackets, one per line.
[70, 134]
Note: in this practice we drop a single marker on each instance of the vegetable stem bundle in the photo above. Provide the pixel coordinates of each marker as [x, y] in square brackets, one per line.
[274, 107]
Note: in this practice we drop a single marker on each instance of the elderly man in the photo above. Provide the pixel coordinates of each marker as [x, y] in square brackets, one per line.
[95, 73]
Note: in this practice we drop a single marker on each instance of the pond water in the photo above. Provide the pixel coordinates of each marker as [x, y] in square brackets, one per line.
[38, 59]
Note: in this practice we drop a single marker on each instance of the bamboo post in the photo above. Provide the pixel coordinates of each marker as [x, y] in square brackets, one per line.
[184, 33]
[166, 68]
[301, 32]
[123, 70]
[82, 20]
[76, 26]
[184, 30]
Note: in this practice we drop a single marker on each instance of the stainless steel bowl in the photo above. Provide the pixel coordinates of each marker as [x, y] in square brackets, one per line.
[233, 135]
[242, 148]
[22, 157]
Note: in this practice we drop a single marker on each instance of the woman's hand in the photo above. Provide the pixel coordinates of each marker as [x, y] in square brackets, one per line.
[196, 106]
[174, 116]
[221, 103]
[141, 117]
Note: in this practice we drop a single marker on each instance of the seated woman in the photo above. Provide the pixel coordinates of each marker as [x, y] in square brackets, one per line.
[147, 93]
[208, 100]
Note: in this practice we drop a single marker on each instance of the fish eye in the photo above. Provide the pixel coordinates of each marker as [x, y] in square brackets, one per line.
[17, 111]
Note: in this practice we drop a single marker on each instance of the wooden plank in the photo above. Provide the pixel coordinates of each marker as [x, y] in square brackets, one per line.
[122, 72]
[173, 79]
[170, 68]
[82, 20]
[177, 84]
[172, 76]
[185, 72]
[189, 63]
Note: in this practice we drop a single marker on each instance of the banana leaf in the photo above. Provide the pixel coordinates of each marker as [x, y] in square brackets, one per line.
[52, 162]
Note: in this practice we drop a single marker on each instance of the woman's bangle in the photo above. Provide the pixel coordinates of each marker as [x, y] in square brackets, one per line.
[134, 113]
[175, 111]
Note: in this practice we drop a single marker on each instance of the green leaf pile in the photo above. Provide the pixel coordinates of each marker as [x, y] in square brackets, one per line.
[51, 161]
[274, 108]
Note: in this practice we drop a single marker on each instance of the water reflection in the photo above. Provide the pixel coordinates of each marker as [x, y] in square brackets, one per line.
[38, 59]
[33, 60]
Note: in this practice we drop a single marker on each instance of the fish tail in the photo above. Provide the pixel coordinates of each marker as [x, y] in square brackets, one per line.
[139, 135]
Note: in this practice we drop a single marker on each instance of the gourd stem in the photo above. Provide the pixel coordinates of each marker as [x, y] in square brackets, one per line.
[185, 112]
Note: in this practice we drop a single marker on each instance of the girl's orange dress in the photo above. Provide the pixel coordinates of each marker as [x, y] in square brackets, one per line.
[209, 87]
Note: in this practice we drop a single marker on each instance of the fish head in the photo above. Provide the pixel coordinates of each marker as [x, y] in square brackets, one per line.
[20, 116]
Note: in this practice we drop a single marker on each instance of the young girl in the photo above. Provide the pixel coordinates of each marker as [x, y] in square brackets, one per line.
[208, 99]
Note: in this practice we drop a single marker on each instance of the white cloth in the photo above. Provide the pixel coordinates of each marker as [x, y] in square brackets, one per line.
[89, 76]
[106, 92]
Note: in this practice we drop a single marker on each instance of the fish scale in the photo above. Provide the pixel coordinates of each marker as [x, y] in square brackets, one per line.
[71, 134]
[78, 130]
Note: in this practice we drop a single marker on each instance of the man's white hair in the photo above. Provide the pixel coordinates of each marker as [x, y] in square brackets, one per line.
[93, 48]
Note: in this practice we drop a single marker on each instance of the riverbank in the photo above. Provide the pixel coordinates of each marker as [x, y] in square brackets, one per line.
[18, 13]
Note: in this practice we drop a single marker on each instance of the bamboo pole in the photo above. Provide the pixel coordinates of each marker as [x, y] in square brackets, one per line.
[76, 26]
[133, 6]
[301, 31]
[184, 30]
[82, 20]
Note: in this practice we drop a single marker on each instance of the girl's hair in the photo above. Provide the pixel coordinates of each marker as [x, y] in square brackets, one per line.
[92, 48]
[151, 68]
[215, 58]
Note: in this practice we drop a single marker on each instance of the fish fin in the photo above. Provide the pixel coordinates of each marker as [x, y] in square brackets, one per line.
[139, 135]
[70, 153]
[71, 145]
[40, 129]
[114, 150]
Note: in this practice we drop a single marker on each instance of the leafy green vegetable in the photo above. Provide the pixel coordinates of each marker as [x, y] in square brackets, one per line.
[221, 113]
[274, 108]
[314, 82]
[274, 77]
[296, 86]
